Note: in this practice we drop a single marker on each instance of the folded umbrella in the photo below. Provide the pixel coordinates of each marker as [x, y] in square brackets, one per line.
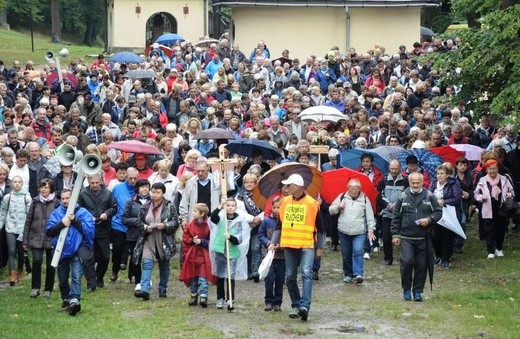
[270, 182]
[449, 220]
[247, 147]
[351, 158]
[447, 153]
[335, 183]
[134, 146]
[472, 152]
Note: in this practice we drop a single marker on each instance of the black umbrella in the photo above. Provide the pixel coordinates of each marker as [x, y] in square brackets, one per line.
[247, 147]
[425, 31]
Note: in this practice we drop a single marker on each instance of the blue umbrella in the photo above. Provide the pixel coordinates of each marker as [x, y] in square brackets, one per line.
[427, 160]
[351, 158]
[247, 147]
[388, 153]
[125, 58]
[169, 39]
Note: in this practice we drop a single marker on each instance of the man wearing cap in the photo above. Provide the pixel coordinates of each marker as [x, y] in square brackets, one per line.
[300, 233]
[412, 165]
[93, 85]
[68, 96]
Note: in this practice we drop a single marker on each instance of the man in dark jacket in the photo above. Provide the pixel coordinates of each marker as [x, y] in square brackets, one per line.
[100, 202]
[414, 213]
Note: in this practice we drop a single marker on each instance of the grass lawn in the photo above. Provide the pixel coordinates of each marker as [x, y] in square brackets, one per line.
[17, 46]
[475, 297]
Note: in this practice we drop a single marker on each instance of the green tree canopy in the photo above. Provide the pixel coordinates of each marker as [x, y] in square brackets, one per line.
[489, 59]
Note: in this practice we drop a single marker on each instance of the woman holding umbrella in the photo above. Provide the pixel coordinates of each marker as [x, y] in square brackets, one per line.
[447, 190]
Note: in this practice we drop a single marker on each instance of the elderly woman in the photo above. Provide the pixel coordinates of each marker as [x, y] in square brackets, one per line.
[356, 223]
[34, 237]
[162, 174]
[159, 221]
[448, 193]
[492, 191]
[190, 161]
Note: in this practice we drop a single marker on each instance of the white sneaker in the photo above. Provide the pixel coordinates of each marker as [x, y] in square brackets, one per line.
[376, 249]
[499, 253]
[220, 304]
[137, 287]
[491, 256]
[366, 256]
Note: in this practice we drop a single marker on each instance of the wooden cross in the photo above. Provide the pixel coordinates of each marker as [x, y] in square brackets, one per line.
[222, 165]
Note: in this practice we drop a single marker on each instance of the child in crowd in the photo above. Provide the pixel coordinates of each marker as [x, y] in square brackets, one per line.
[229, 229]
[196, 268]
[276, 277]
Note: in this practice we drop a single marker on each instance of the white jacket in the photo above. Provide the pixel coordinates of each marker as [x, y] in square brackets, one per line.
[357, 217]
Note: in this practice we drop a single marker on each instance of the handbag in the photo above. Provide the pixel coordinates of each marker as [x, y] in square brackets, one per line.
[508, 207]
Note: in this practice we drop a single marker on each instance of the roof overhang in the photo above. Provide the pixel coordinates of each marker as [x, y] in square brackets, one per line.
[330, 3]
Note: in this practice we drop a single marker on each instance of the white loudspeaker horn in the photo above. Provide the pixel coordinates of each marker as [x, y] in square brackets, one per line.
[64, 53]
[68, 155]
[49, 55]
[90, 164]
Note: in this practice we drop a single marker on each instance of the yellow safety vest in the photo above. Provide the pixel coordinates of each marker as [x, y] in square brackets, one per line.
[298, 222]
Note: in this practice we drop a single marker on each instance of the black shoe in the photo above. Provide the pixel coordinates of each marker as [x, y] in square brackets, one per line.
[74, 309]
[256, 278]
[100, 284]
[388, 262]
[437, 261]
[114, 276]
[65, 305]
[203, 302]
[193, 300]
[122, 267]
[315, 275]
[229, 307]
[457, 250]
[163, 295]
[91, 289]
[334, 248]
[303, 313]
[141, 294]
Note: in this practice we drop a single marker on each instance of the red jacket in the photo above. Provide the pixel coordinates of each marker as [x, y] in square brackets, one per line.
[195, 258]
[378, 175]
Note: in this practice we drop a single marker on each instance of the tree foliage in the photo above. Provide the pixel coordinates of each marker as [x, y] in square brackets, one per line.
[489, 60]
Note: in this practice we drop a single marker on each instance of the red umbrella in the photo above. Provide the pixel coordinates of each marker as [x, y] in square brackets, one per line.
[167, 50]
[54, 75]
[447, 153]
[335, 183]
[134, 146]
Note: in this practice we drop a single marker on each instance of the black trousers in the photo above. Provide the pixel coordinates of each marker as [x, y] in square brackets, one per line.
[223, 284]
[134, 270]
[101, 256]
[414, 263]
[36, 278]
[118, 240]
[494, 231]
[443, 240]
[86, 256]
[387, 239]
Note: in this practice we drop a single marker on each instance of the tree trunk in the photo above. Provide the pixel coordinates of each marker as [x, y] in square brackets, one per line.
[89, 31]
[507, 3]
[56, 22]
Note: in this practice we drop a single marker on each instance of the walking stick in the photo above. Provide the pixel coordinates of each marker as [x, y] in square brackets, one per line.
[228, 268]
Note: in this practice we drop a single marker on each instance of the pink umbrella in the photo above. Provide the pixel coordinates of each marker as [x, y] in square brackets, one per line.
[134, 146]
[54, 75]
[472, 152]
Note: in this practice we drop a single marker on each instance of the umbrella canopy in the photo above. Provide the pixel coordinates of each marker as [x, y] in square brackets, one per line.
[140, 74]
[425, 31]
[270, 182]
[427, 160]
[54, 75]
[214, 133]
[134, 146]
[322, 113]
[204, 44]
[472, 152]
[169, 39]
[247, 147]
[388, 153]
[351, 158]
[335, 183]
[125, 58]
[167, 50]
[447, 153]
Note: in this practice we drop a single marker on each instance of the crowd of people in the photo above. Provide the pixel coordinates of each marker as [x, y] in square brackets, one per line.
[132, 213]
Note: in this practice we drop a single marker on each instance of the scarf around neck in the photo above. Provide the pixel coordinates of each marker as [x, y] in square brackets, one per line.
[495, 190]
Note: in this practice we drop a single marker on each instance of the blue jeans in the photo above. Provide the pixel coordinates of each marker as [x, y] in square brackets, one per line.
[146, 275]
[304, 258]
[274, 282]
[199, 285]
[72, 266]
[352, 254]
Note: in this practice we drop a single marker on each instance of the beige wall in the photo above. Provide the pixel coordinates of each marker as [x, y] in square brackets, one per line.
[129, 29]
[300, 30]
[390, 27]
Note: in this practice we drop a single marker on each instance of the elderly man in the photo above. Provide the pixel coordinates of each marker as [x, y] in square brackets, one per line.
[171, 132]
[390, 189]
[277, 132]
[112, 127]
[37, 161]
[40, 125]
[416, 210]
[122, 193]
[28, 175]
[300, 224]
[296, 126]
[202, 188]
